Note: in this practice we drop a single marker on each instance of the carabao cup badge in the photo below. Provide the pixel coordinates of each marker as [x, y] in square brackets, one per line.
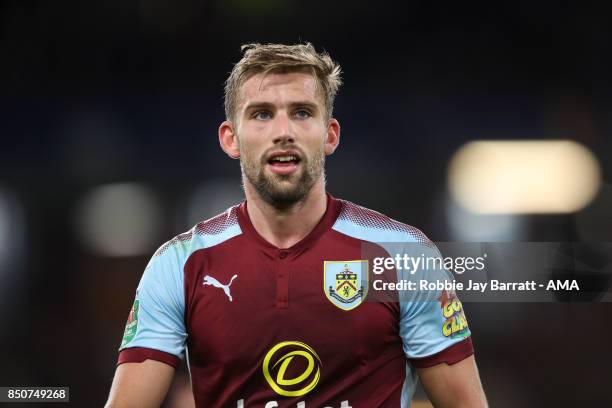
[345, 283]
[131, 326]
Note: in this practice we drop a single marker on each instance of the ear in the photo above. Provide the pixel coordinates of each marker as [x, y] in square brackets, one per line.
[332, 138]
[228, 139]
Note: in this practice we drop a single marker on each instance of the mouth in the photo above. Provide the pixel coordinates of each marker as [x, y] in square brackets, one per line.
[284, 163]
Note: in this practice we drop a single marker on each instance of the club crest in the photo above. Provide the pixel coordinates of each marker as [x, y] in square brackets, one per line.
[345, 283]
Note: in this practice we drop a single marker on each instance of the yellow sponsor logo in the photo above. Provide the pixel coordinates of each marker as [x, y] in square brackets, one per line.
[451, 308]
[455, 324]
[278, 362]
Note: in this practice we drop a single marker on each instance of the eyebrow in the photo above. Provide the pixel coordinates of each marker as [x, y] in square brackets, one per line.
[270, 106]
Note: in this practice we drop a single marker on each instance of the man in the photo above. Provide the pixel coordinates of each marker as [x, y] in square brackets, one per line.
[267, 298]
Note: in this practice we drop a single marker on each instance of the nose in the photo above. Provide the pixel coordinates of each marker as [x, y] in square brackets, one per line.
[283, 129]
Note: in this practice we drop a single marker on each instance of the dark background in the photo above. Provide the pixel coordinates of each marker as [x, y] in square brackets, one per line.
[97, 93]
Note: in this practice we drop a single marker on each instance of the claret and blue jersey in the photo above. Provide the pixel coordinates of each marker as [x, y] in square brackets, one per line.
[269, 327]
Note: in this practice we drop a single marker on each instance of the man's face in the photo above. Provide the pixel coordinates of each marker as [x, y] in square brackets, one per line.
[281, 127]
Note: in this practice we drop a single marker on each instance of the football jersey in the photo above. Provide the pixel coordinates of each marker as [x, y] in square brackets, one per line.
[262, 326]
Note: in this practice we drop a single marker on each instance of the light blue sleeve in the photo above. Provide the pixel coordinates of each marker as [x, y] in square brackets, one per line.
[157, 317]
[430, 320]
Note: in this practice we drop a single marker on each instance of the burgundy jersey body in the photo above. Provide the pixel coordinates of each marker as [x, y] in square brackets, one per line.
[261, 326]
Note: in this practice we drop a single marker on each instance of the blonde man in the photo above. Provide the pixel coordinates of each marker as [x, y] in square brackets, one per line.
[268, 297]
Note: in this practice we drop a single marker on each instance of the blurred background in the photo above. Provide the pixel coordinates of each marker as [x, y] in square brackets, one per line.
[108, 148]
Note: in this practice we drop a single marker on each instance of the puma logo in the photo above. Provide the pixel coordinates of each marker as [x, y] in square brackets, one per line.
[209, 280]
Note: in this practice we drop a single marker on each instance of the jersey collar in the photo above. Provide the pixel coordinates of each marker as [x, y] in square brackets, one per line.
[332, 211]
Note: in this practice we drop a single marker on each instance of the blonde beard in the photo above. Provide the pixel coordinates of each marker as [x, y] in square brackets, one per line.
[269, 188]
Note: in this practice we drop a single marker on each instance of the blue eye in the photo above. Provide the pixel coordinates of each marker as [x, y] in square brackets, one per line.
[262, 115]
[303, 114]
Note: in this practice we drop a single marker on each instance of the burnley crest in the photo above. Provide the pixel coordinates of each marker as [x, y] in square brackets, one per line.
[345, 282]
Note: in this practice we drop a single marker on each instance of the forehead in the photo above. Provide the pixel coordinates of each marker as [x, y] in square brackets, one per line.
[277, 87]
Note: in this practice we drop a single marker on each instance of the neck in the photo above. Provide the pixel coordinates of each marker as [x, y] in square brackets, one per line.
[284, 228]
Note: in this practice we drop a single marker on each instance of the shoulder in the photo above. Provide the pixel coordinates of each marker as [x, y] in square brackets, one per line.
[205, 234]
[369, 225]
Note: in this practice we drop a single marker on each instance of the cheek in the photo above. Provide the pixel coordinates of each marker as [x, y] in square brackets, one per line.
[250, 149]
[253, 133]
[318, 141]
[314, 130]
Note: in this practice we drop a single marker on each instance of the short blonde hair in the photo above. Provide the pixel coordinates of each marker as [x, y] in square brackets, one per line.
[266, 58]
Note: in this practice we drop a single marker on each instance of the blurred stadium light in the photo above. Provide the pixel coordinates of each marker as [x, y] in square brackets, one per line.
[122, 219]
[12, 246]
[12, 229]
[497, 177]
